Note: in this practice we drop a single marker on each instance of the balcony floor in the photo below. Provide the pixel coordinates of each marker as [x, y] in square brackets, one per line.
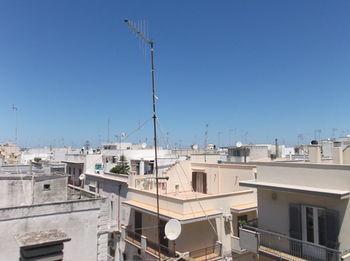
[278, 254]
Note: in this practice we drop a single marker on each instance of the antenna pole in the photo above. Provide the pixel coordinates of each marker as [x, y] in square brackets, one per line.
[15, 109]
[144, 38]
[108, 131]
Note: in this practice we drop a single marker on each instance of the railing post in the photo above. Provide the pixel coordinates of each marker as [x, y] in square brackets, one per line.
[143, 244]
[123, 232]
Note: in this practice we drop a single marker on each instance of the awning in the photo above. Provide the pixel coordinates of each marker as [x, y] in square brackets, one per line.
[167, 214]
[243, 208]
[339, 194]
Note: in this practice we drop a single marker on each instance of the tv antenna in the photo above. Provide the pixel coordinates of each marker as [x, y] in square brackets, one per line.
[15, 109]
[141, 35]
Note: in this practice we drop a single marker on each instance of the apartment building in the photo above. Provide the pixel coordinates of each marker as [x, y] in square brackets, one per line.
[113, 187]
[303, 212]
[205, 198]
[41, 218]
[80, 163]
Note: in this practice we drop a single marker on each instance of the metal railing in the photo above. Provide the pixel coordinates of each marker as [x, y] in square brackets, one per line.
[151, 246]
[132, 236]
[207, 253]
[164, 250]
[286, 247]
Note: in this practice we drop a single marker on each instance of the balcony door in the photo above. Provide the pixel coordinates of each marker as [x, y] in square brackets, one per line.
[313, 221]
[138, 223]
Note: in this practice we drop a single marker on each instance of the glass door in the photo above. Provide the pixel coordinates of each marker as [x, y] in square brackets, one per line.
[314, 231]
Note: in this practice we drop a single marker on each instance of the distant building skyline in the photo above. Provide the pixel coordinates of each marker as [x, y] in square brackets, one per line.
[268, 69]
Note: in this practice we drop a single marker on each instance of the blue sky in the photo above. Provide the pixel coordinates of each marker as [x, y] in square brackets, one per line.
[265, 68]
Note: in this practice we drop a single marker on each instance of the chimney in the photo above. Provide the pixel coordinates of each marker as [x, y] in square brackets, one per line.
[315, 153]
[337, 153]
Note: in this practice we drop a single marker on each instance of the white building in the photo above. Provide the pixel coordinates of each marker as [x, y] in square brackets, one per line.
[41, 216]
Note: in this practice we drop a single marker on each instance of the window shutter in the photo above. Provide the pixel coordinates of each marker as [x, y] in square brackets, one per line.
[295, 221]
[332, 228]
[205, 183]
[194, 176]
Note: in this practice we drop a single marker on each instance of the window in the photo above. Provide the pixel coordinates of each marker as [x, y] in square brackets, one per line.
[92, 188]
[69, 170]
[199, 182]
[112, 212]
[98, 166]
[80, 171]
[47, 187]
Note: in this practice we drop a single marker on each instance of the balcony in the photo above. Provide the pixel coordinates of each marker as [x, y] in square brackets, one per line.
[207, 253]
[149, 246]
[282, 247]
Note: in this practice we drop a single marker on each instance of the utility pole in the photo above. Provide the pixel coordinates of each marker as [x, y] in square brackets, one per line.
[15, 109]
[150, 43]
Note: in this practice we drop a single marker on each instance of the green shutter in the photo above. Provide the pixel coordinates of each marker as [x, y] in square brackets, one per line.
[295, 221]
[332, 227]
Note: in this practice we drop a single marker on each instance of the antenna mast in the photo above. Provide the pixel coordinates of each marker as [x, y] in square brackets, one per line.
[144, 38]
[15, 109]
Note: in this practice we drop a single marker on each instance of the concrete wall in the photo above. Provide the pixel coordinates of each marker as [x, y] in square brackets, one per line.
[79, 220]
[314, 175]
[15, 192]
[57, 191]
[346, 155]
[90, 161]
[190, 238]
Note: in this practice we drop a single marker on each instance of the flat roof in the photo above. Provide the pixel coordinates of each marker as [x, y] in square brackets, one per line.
[302, 164]
[241, 208]
[167, 214]
[112, 177]
[340, 194]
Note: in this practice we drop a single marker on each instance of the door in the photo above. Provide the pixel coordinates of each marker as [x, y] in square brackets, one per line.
[138, 224]
[314, 231]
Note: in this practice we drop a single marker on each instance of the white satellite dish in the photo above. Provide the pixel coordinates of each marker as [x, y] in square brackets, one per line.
[144, 145]
[194, 147]
[172, 229]
[82, 176]
[239, 144]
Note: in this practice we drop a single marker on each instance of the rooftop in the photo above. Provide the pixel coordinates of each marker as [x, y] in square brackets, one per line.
[340, 194]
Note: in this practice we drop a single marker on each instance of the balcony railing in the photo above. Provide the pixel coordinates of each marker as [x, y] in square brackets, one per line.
[151, 246]
[207, 253]
[287, 248]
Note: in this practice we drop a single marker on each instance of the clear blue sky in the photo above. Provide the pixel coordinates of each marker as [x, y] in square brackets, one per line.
[268, 68]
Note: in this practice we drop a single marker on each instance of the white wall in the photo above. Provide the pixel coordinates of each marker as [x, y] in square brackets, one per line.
[78, 220]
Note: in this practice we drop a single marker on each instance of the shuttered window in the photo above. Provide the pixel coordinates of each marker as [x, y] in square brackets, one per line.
[295, 221]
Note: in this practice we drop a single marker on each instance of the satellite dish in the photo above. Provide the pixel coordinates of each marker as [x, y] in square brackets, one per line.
[194, 147]
[123, 134]
[173, 229]
[82, 176]
[143, 145]
[239, 144]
